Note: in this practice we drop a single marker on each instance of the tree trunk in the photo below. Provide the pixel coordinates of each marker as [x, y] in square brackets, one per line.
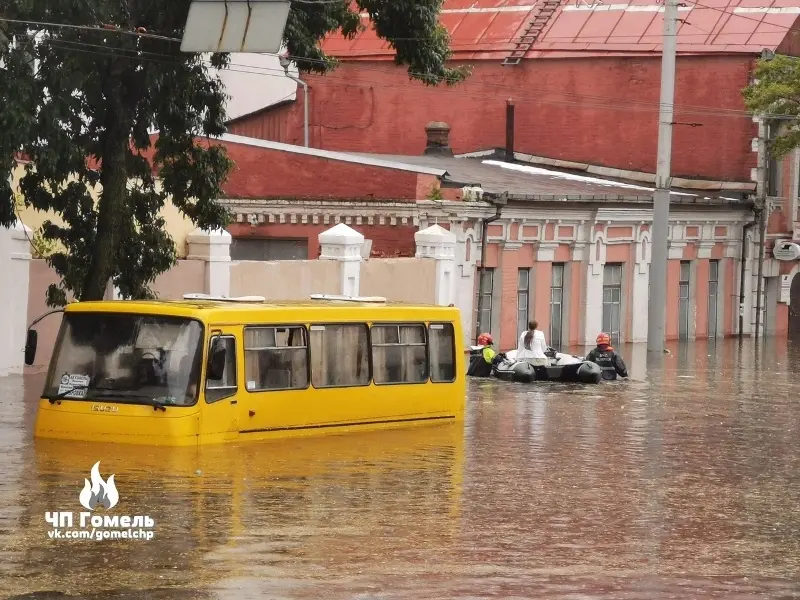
[112, 208]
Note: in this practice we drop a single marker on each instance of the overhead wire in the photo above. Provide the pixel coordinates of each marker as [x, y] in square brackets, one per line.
[599, 101]
[591, 101]
[639, 106]
[526, 89]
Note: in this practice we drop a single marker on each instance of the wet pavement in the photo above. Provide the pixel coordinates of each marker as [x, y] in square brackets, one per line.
[679, 483]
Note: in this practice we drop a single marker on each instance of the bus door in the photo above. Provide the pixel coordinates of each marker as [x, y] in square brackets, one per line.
[275, 394]
[221, 386]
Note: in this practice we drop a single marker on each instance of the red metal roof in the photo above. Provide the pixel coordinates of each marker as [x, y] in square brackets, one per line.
[489, 28]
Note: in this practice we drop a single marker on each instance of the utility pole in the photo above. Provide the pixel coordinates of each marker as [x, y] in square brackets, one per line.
[761, 210]
[660, 230]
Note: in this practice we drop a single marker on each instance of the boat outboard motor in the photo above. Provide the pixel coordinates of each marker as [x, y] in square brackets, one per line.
[478, 367]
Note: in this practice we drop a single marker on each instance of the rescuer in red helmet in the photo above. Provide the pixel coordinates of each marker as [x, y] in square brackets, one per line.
[482, 357]
[607, 358]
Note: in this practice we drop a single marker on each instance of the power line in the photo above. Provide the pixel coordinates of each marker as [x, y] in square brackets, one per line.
[73, 46]
[441, 79]
[601, 101]
[469, 82]
[93, 28]
[592, 102]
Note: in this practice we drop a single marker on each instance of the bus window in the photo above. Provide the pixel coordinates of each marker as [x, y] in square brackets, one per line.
[276, 358]
[225, 387]
[442, 352]
[339, 355]
[399, 354]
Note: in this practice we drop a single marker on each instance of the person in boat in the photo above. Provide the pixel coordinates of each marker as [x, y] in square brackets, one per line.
[532, 346]
[483, 357]
[607, 358]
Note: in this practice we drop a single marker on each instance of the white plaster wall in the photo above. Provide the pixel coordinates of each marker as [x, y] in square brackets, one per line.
[254, 82]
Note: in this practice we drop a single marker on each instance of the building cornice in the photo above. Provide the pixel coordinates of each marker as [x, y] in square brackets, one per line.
[394, 212]
[308, 212]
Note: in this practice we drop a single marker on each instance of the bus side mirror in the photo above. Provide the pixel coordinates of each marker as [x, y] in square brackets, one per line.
[30, 346]
[216, 360]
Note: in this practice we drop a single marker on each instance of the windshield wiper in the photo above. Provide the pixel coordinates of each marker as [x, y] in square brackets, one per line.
[65, 393]
[110, 394]
[149, 400]
[156, 404]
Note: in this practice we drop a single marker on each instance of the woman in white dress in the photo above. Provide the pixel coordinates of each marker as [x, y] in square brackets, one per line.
[532, 346]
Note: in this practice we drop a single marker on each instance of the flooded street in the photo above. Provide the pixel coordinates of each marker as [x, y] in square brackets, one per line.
[679, 483]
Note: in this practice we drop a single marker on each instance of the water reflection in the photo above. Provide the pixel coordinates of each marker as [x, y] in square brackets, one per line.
[680, 482]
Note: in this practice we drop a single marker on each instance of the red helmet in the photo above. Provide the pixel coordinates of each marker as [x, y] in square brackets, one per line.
[485, 339]
[603, 339]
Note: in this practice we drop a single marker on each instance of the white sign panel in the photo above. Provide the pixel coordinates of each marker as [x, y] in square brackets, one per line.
[786, 288]
[235, 26]
[786, 250]
[74, 385]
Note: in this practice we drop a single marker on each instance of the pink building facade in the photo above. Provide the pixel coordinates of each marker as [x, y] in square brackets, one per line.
[569, 250]
[579, 271]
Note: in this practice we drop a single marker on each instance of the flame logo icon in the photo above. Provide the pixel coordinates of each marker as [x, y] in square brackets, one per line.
[99, 492]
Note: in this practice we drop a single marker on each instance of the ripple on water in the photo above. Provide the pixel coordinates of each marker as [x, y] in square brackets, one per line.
[679, 483]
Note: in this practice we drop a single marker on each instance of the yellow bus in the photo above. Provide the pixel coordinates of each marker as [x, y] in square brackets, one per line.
[207, 370]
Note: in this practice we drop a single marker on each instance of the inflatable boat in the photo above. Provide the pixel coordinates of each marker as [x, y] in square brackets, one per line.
[563, 367]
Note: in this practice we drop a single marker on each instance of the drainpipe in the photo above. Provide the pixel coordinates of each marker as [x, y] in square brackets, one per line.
[509, 130]
[305, 107]
[745, 228]
[285, 62]
[484, 234]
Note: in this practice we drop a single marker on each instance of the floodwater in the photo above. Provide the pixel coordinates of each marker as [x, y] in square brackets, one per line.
[682, 482]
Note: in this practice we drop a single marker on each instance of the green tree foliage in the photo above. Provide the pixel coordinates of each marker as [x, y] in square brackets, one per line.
[775, 93]
[83, 119]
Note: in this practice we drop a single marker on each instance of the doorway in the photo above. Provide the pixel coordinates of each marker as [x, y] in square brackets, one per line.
[684, 300]
[794, 309]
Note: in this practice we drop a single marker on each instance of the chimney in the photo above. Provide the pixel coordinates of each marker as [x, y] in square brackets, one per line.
[510, 130]
[438, 142]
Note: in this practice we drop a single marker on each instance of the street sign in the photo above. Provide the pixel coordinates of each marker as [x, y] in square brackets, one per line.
[235, 26]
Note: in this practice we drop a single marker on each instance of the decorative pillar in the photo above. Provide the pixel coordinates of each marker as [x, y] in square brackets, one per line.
[576, 293]
[439, 244]
[676, 242]
[543, 280]
[704, 249]
[467, 252]
[213, 247]
[750, 284]
[593, 323]
[675, 250]
[16, 269]
[343, 244]
[641, 289]
[730, 284]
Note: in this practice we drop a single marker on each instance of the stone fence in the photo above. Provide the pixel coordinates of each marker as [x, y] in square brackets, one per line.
[428, 278]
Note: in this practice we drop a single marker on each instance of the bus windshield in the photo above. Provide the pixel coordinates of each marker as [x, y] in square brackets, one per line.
[136, 359]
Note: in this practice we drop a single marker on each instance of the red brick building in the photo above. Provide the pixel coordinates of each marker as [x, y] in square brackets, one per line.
[586, 90]
[284, 196]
